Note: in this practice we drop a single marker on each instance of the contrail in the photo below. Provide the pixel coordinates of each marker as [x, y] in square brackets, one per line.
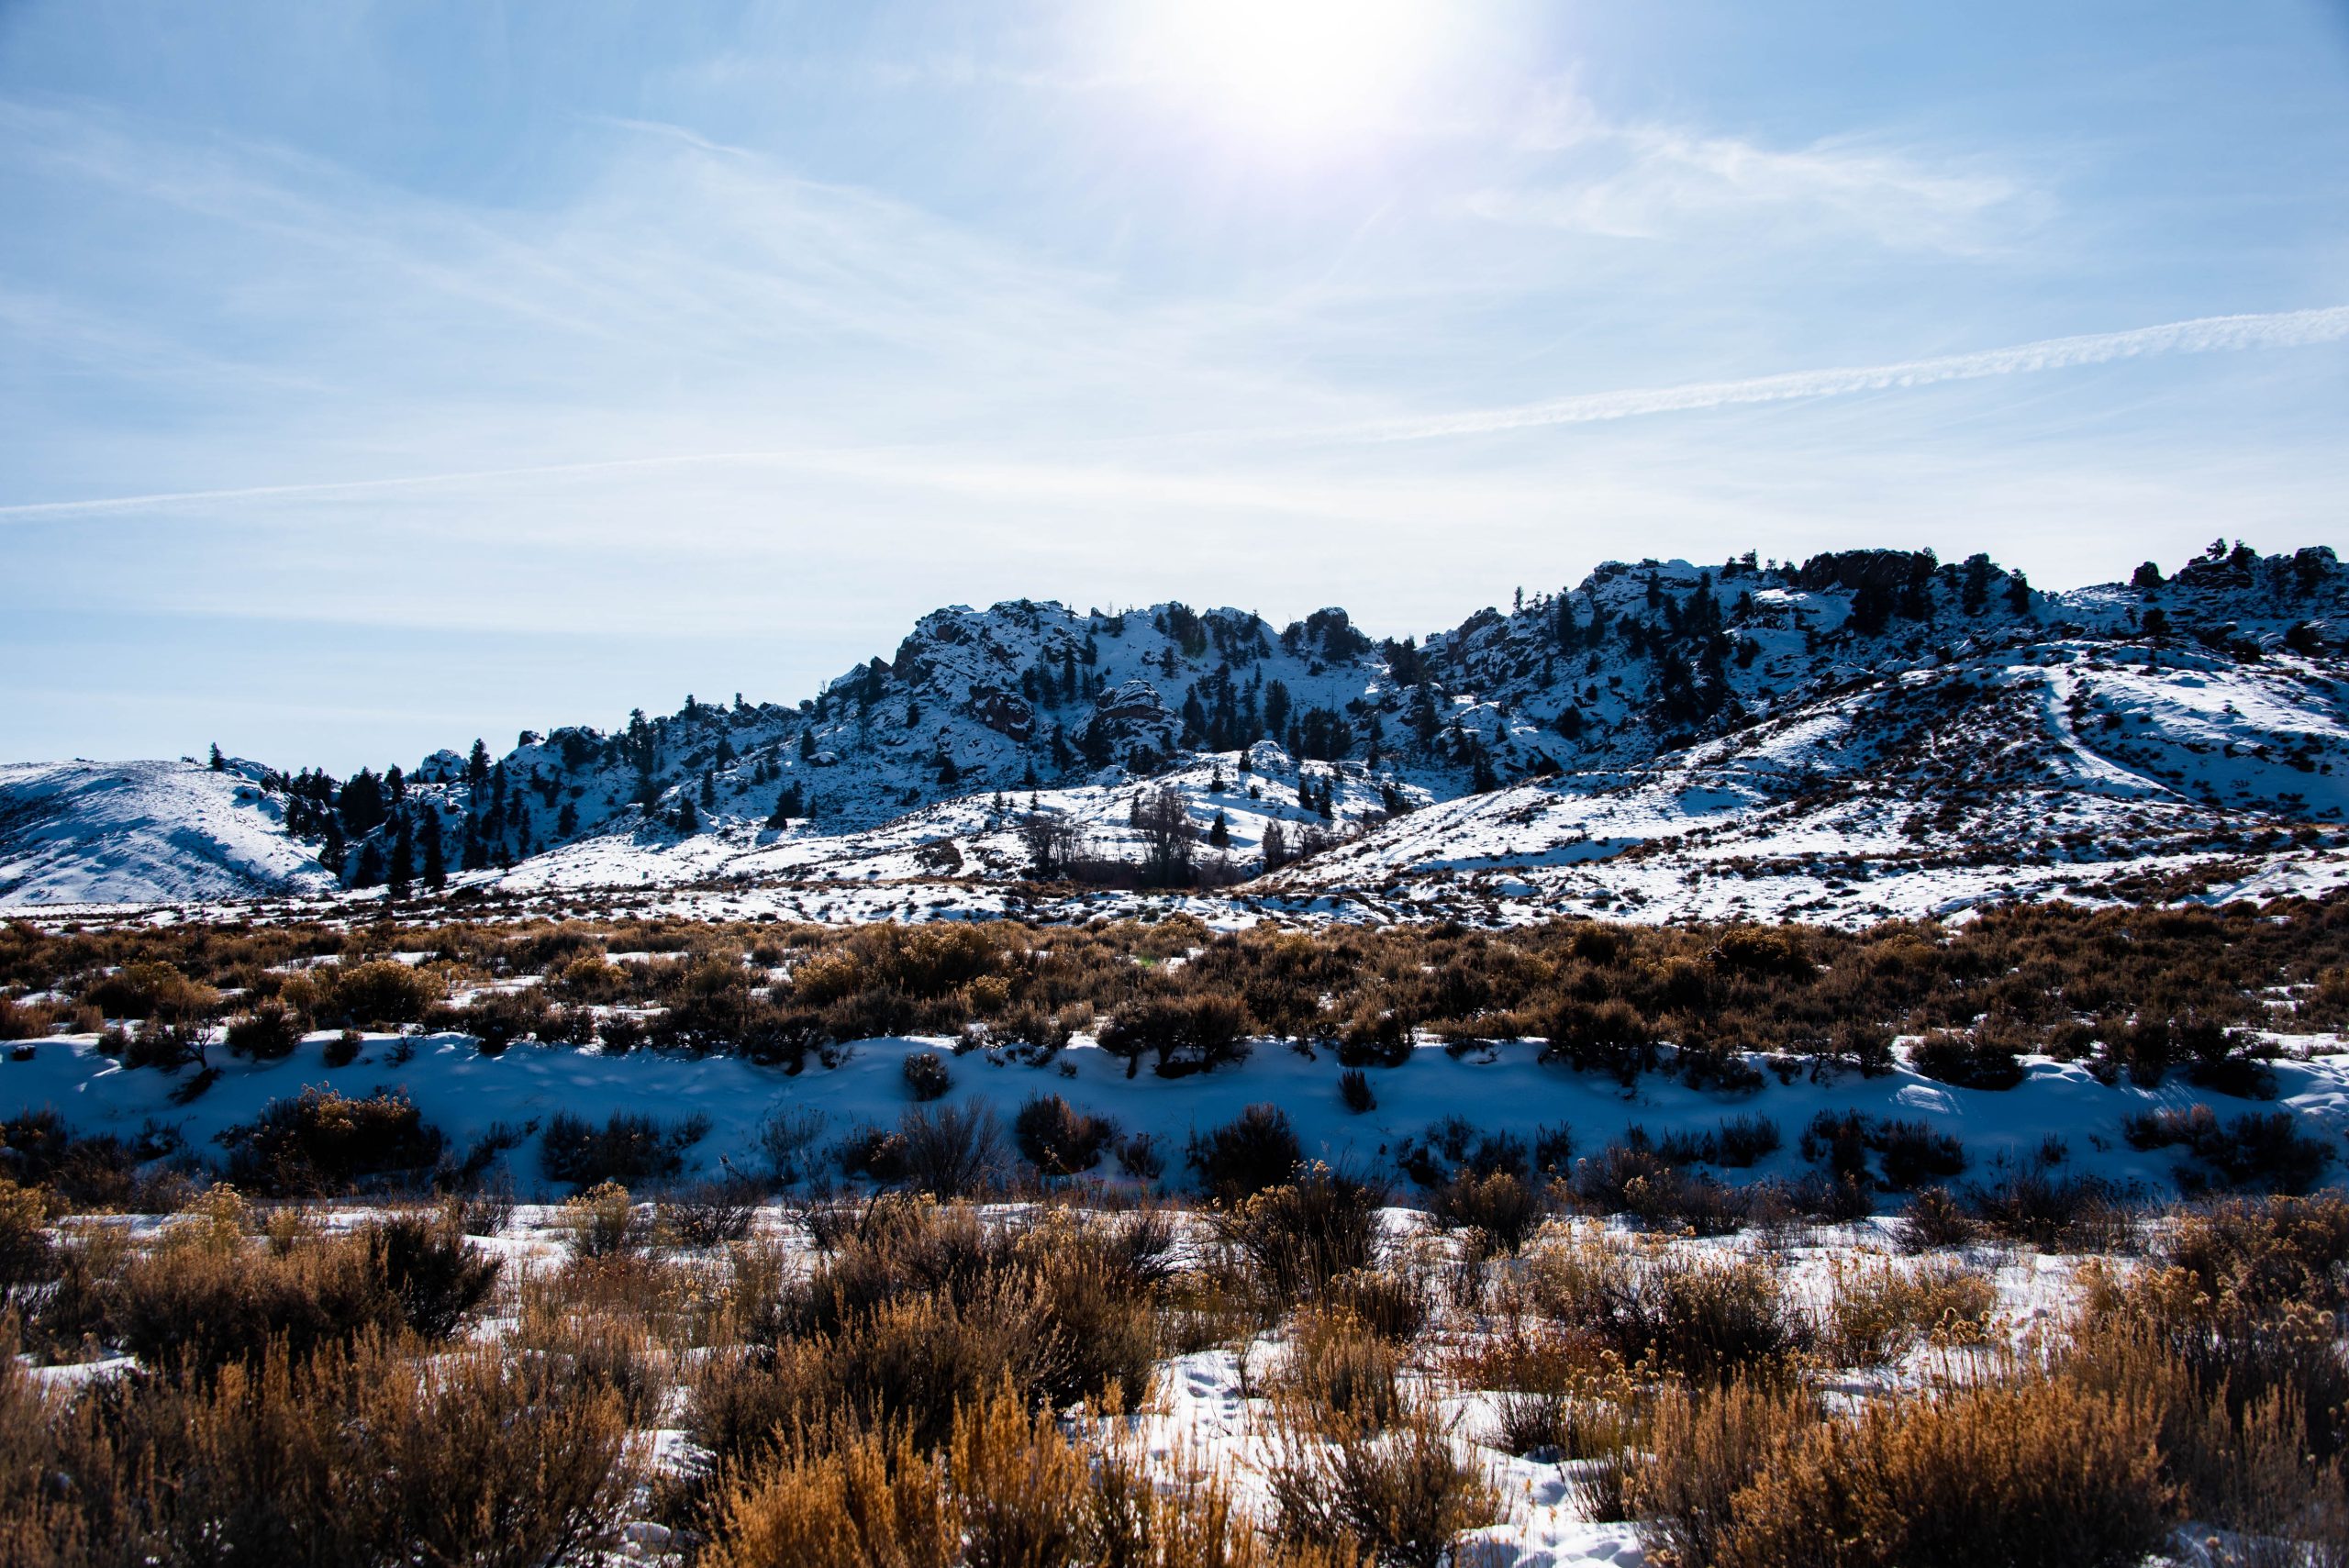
[2207, 334]
[361, 486]
[2281, 330]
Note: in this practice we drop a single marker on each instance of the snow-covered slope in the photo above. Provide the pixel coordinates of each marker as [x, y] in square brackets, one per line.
[1505, 1088]
[144, 832]
[1663, 739]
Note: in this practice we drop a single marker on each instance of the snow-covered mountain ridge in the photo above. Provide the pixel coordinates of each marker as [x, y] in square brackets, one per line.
[1869, 730]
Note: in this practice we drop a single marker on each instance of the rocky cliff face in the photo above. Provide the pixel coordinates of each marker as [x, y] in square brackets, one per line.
[1987, 709]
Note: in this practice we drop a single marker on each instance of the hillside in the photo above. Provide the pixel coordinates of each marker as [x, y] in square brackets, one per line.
[1869, 731]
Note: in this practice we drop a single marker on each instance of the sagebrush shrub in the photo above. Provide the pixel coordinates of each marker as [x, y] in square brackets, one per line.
[1500, 1212]
[1059, 1140]
[1256, 1150]
[2040, 1475]
[629, 1147]
[1299, 1237]
[323, 1143]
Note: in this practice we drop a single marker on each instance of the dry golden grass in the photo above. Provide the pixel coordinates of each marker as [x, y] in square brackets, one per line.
[2040, 1472]
[1008, 1489]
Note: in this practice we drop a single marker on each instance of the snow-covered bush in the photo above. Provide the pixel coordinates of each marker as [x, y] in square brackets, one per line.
[925, 1074]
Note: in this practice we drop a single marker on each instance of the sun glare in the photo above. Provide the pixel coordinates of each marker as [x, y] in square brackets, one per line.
[1297, 70]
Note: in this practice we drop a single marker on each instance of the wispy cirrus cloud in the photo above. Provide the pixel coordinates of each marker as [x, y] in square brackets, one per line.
[1630, 179]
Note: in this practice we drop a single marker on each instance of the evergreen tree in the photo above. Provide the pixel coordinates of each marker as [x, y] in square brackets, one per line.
[402, 876]
[220, 762]
[1219, 832]
[787, 805]
[949, 774]
[1482, 779]
[708, 787]
[436, 861]
[566, 821]
[687, 820]
[807, 745]
[334, 852]
[362, 804]
[370, 867]
[477, 765]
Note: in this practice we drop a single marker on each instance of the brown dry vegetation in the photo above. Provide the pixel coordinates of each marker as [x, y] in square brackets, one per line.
[2139, 993]
[933, 1383]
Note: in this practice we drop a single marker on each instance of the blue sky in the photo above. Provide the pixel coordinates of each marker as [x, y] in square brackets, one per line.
[371, 377]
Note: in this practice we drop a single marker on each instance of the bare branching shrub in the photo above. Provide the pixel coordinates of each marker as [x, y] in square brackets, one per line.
[202, 1300]
[2053, 1212]
[1299, 1237]
[952, 1151]
[629, 1147]
[435, 1275]
[790, 1136]
[1402, 1495]
[1707, 1317]
[708, 1214]
[2249, 1154]
[1058, 1138]
[360, 1456]
[1936, 1219]
[1966, 1063]
[1391, 1300]
[1256, 1150]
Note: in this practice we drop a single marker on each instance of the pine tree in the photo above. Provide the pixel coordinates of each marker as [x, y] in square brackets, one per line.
[1482, 779]
[1219, 832]
[807, 745]
[402, 876]
[362, 804]
[566, 822]
[688, 822]
[787, 805]
[710, 787]
[949, 774]
[334, 852]
[477, 765]
[436, 862]
[220, 762]
[370, 867]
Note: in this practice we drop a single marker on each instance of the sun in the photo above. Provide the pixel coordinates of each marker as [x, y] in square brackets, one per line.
[1293, 70]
